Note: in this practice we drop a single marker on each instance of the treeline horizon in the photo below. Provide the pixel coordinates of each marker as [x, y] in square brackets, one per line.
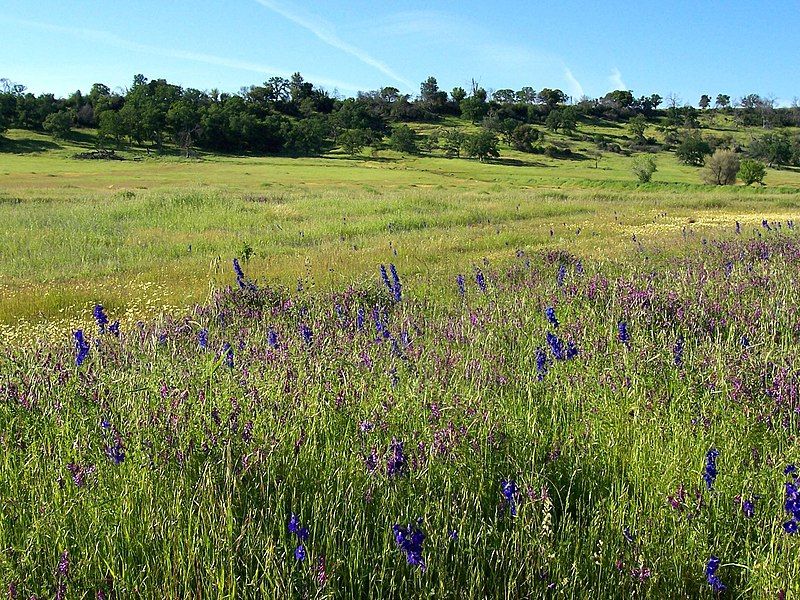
[296, 117]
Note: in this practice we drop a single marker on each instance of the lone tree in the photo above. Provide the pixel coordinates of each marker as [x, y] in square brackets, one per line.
[705, 101]
[752, 171]
[352, 141]
[451, 141]
[637, 126]
[482, 146]
[721, 168]
[644, 167]
[404, 139]
[723, 101]
[693, 150]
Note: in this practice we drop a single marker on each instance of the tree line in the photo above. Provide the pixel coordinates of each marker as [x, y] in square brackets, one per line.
[293, 116]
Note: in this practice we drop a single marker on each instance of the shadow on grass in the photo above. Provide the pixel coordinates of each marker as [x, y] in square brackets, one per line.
[26, 146]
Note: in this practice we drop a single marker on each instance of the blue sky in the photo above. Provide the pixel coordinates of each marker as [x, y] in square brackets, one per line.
[684, 47]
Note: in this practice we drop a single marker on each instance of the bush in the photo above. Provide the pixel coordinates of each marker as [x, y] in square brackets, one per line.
[644, 167]
[752, 171]
[58, 124]
[721, 168]
[352, 141]
[482, 145]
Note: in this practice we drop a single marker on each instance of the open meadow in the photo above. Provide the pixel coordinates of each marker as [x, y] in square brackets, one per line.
[421, 377]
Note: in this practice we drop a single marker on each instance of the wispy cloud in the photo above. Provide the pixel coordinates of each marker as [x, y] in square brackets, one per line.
[116, 41]
[615, 79]
[325, 32]
[574, 86]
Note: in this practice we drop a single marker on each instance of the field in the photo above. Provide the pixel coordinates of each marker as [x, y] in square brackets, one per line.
[566, 384]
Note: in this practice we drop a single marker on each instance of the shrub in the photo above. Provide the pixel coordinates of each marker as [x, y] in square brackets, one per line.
[644, 167]
[482, 145]
[721, 168]
[752, 171]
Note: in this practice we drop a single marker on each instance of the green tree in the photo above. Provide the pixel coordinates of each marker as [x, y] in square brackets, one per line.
[307, 136]
[637, 126]
[643, 166]
[458, 94]
[474, 108]
[775, 148]
[551, 98]
[482, 145]
[352, 141]
[693, 150]
[752, 171]
[553, 120]
[404, 139]
[525, 137]
[451, 141]
[723, 101]
[111, 127]
[705, 101]
[58, 124]
[721, 168]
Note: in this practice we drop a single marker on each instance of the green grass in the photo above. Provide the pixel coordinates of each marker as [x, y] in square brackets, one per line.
[77, 232]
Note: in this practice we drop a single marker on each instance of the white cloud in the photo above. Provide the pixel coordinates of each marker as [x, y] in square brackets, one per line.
[615, 79]
[324, 31]
[574, 86]
[111, 39]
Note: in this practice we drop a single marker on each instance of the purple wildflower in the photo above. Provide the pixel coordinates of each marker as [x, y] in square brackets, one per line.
[397, 463]
[81, 346]
[711, 575]
[202, 338]
[63, 564]
[710, 471]
[300, 553]
[240, 279]
[541, 363]
[510, 491]
[677, 352]
[556, 346]
[296, 528]
[562, 275]
[749, 508]
[397, 287]
[550, 313]
[480, 279]
[623, 335]
[101, 317]
[227, 351]
[462, 287]
[409, 539]
[307, 333]
[272, 338]
[116, 452]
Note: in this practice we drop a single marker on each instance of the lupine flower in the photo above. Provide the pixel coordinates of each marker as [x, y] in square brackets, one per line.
[792, 501]
[480, 279]
[300, 553]
[100, 316]
[550, 313]
[453, 535]
[397, 286]
[63, 564]
[462, 287]
[307, 334]
[202, 338]
[297, 529]
[360, 318]
[541, 363]
[623, 335]
[113, 329]
[677, 351]
[227, 351]
[509, 491]
[710, 471]
[116, 453]
[240, 279]
[81, 346]
[749, 508]
[409, 539]
[562, 275]
[385, 278]
[711, 575]
[397, 463]
[556, 346]
[572, 350]
[272, 338]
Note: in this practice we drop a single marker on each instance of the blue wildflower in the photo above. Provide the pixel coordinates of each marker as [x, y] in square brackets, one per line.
[272, 338]
[710, 471]
[677, 352]
[227, 351]
[623, 335]
[308, 335]
[562, 275]
[202, 338]
[509, 491]
[792, 503]
[397, 463]
[711, 575]
[81, 347]
[480, 279]
[556, 346]
[749, 508]
[360, 318]
[541, 363]
[790, 470]
[296, 528]
[462, 287]
[572, 350]
[113, 329]
[240, 278]
[385, 278]
[628, 535]
[101, 317]
[409, 539]
[300, 553]
[116, 452]
[397, 287]
[550, 313]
